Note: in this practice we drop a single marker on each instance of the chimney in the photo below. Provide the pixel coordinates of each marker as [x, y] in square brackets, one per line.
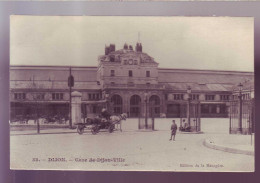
[112, 48]
[106, 50]
[138, 47]
[125, 46]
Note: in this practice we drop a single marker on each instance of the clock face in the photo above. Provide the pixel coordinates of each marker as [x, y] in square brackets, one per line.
[130, 62]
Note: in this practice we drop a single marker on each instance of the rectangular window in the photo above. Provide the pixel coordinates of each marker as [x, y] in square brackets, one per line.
[224, 97]
[178, 96]
[94, 96]
[130, 73]
[57, 96]
[19, 96]
[210, 97]
[147, 73]
[195, 97]
[112, 72]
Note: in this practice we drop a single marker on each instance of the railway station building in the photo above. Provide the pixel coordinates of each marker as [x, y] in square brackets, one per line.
[125, 81]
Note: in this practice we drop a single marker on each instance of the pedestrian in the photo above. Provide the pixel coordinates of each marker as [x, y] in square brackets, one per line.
[173, 130]
[105, 114]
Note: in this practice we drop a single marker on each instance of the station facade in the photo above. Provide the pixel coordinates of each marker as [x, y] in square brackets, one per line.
[125, 81]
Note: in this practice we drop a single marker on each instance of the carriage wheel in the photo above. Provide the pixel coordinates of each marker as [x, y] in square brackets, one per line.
[111, 128]
[95, 130]
[80, 129]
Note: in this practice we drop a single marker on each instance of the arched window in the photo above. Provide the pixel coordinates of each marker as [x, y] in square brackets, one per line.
[117, 100]
[154, 104]
[135, 106]
[135, 100]
[155, 100]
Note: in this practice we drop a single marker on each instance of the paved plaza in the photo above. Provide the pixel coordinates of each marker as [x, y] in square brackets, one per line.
[129, 150]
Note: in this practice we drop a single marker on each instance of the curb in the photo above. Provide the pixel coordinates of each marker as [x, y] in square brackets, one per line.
[146, 130]
[42, 133]
[190, 132]
[209, 144]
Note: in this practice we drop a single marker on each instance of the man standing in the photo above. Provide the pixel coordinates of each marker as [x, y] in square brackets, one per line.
[105, 114]
[173, 130]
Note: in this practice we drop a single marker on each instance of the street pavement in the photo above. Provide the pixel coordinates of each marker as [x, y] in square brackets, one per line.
[130, 150]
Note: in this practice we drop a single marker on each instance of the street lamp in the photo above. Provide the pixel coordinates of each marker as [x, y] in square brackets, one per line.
[145, 100]
[188, 110]
[240, 88]
[70, 85]
[106, 97]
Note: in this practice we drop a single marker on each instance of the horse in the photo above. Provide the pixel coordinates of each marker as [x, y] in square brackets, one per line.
[116, 119]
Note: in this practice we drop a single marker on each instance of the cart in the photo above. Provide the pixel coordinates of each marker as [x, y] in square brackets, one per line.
[95, 125]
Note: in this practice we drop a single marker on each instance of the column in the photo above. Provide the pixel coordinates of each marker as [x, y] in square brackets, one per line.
[76, 107]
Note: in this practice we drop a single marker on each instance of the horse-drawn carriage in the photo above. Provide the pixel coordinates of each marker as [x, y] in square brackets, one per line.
[98, 123]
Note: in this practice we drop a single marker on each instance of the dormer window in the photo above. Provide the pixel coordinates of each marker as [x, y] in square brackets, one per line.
[112, 58]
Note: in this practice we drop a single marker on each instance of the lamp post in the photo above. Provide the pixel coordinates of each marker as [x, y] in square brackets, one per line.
[145, 95]
[106, 96]
[70, 84]
[240, 87]
[188, 110]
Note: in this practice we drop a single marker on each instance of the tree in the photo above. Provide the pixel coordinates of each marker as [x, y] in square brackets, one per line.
[36, 96]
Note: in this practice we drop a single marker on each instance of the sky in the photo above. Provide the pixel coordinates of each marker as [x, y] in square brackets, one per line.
[211, 43]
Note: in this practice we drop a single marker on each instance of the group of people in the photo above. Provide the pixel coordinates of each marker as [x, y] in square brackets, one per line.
[186, 127]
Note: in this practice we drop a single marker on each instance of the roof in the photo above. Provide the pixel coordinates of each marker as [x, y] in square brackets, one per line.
[52, 73]
[202, 77]
[55, 77]
[199, 87]
[246, 85]
[53, 85]
[126, 53]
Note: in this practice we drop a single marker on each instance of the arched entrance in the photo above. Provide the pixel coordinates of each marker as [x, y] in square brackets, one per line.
[154, 106]
[135, 106]
[117, 104]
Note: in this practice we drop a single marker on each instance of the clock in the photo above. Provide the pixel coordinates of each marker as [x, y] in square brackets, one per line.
[130, 62]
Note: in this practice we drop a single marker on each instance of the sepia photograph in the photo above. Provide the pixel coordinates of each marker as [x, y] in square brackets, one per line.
[132, 93]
